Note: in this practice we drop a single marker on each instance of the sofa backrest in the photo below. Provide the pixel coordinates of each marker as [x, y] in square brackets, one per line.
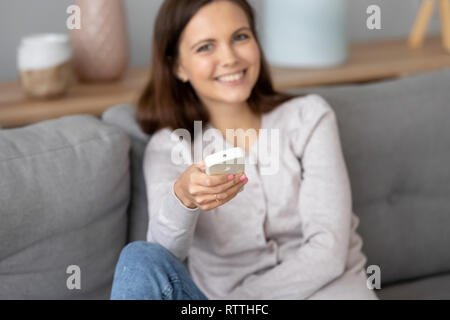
[396, 141]
[123, 116]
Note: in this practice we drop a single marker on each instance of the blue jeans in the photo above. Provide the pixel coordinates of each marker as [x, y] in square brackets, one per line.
[148, 271]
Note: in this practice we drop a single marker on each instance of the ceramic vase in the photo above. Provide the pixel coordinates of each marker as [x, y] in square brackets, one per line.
[101, 44]
[305, 33]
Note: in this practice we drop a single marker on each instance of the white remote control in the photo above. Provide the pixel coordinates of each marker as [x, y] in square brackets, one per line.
[231, 161]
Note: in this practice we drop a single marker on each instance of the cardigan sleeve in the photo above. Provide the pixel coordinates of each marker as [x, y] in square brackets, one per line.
[171, 223]
[325, 206]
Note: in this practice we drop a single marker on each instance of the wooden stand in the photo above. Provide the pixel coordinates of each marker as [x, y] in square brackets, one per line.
[418, 31]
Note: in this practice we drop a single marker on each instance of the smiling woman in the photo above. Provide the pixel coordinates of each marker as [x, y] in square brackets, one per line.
[206, 65]
[290, 232]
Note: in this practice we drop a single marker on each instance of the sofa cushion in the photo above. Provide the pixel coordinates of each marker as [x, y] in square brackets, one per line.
[430, 288]
[396, 140]
[64, 190]
[123, 116]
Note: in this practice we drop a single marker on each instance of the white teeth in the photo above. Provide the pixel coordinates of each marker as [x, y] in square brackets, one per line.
[233, 77]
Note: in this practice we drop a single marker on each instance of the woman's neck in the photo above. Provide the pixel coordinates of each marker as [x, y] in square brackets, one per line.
[236, 117]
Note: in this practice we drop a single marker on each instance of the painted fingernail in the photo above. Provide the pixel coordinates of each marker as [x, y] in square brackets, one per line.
[243, 177]
[230, 177]
[246, 180]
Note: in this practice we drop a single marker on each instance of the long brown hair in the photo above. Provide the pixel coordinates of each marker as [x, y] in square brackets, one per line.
[168, 102]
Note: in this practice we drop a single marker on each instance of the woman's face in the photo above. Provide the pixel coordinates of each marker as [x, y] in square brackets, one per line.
[216, 43]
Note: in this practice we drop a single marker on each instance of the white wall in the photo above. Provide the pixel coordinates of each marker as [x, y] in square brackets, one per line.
[22, 17]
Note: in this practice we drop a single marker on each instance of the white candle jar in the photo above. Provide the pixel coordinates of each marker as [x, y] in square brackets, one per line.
[44, 65]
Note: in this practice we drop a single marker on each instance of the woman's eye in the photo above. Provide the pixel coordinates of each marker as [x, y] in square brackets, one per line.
[243, 34]
[203, 47]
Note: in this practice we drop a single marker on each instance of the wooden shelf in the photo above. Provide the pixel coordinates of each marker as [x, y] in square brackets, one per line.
[371, 61]
[17, 110]
[367, 62]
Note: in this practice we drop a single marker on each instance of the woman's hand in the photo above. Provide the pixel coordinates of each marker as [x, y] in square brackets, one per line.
[195, 188]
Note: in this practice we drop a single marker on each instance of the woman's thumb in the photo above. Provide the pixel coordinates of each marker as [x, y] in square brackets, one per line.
[201, 165]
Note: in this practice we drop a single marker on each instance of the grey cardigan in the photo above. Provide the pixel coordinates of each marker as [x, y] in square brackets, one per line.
[290, 232]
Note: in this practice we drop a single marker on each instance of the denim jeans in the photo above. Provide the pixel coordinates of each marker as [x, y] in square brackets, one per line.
[148, 271]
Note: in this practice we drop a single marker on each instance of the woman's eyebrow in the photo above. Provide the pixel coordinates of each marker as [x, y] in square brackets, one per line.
[240, 29]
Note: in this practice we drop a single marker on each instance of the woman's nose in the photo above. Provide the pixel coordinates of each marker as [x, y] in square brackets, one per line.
[228, 56]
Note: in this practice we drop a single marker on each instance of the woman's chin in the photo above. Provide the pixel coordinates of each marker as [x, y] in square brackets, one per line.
[235, 97]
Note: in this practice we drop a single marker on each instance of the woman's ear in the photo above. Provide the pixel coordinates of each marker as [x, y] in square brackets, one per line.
[179, 73]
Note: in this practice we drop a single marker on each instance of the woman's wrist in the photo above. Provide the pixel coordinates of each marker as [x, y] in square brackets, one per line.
[180, 195]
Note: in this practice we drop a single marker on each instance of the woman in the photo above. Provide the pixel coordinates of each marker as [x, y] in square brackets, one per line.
[290, 234]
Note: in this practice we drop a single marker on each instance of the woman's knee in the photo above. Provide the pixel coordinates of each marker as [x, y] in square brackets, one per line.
[143, 271]
[143, 254]
[147, 270]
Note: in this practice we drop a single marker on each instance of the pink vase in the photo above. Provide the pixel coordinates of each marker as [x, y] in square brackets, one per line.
[100, 46]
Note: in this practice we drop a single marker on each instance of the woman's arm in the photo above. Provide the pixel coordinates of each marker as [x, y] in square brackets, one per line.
[171, 223]
[325, 206]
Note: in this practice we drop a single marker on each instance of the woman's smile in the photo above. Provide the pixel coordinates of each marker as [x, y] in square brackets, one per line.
[233, 80]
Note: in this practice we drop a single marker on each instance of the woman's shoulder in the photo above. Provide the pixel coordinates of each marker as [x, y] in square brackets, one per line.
[167, 138]
[167, 142]
[162, 138]
[299, 110]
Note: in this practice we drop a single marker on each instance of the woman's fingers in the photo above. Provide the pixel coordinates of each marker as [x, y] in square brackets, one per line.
[206, 195]
[231, 192]
[211, 201]
[230, 181]
[210, 192]
[205, 180]
[201, 165]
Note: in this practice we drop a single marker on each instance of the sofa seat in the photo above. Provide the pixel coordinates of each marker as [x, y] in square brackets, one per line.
[429, 288]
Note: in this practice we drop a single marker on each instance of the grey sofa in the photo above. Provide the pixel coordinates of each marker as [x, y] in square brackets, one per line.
[72, 191]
